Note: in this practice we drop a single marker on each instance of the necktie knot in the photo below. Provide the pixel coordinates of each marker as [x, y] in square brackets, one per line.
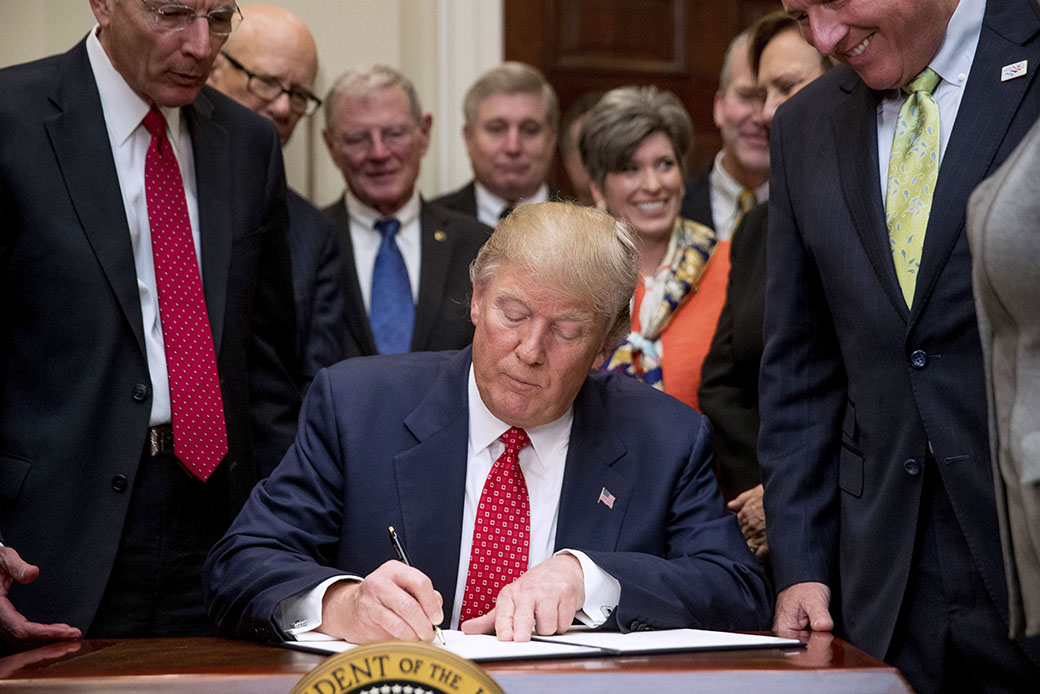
[515, 439]
[927, 81]
[154, 123]
[746, 200]
[388, 228]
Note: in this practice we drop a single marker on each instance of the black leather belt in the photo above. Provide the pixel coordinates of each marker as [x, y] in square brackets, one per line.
[160, 440]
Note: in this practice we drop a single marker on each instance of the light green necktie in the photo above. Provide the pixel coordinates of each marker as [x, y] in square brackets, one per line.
[912, 172]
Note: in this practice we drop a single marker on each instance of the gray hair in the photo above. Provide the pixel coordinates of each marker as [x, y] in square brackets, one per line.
[366, 79]
[581, 253]
[737, 44]
[622, 119]
[511, 77]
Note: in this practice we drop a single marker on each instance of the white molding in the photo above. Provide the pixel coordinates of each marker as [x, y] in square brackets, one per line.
[470, 40]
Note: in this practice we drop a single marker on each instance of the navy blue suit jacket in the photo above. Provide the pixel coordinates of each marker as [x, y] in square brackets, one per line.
[383, 441]
[75, 392]
[463, 200]
[696, 203]
[449, 243]
[855, 387]
[321, 328]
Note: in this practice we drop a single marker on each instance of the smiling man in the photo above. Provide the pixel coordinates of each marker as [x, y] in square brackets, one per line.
[512, 117]
[144, 383]
[405, 262]
[269, 65]
[873, 439]
[506, 465]
[739, 177]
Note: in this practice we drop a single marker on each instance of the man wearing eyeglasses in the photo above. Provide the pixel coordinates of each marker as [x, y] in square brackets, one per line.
[269, 65]
[147, 331]
[405, 261]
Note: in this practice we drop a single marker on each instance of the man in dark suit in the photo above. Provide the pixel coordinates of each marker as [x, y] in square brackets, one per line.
[512, 117]
[396, 247]
[269, 65]
[619, 519]
[739, 176]
[873, 442]
[99, 234]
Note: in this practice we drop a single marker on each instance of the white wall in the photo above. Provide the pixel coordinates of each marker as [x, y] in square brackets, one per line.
[442, 45]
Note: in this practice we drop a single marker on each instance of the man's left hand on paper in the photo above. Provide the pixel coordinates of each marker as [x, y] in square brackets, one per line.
[544, 600]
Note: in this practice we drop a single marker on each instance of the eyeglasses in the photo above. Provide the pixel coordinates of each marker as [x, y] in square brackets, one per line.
[392, 136]
[268, 88]
[169, 17]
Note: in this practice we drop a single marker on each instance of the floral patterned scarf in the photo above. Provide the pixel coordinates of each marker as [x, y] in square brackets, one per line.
[680, 272]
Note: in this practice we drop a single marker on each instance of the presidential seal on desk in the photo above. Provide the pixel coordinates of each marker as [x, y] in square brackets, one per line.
[396, 667]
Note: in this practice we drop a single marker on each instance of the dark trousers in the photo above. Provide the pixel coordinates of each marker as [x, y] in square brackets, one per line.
[950, 636]
[173, 520]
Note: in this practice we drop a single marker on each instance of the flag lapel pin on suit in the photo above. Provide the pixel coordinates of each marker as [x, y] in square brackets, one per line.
[1010, 72]
[605, 498]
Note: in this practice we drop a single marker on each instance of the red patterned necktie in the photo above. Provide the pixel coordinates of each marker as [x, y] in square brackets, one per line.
[199, 434]
[502, 532]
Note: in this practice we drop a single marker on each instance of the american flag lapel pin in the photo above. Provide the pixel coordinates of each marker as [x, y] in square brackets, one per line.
[605, 498]
[1010, 72]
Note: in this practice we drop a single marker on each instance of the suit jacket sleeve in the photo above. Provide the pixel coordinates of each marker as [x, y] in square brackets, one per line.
[728, 393]
[321, 325]
[274, 399]
[284, 540]
[801, 389]
[707, 577]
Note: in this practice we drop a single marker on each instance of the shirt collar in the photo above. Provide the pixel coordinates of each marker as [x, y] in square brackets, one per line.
[485, 428]
[124, 109]
[493, 204]
[722, 181]
[366, 217]
[958, 48]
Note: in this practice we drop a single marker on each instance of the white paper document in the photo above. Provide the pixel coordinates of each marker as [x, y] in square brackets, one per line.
[574, 644]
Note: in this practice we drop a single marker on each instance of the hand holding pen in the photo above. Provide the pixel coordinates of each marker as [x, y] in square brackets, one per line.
[403, 556]
[393, 602]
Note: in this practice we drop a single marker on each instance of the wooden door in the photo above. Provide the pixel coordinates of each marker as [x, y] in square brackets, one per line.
[596, 45]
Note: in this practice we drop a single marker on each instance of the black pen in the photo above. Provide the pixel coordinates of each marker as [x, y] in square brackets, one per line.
[396, 542]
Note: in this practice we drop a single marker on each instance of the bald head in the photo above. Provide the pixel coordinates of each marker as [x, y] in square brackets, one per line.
[271, 42]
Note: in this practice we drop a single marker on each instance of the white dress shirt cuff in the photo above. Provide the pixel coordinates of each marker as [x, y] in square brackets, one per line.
[300, 614]
[602, 591]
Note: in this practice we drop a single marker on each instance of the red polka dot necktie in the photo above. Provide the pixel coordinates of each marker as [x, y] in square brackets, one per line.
[199, 434]
[502, 532]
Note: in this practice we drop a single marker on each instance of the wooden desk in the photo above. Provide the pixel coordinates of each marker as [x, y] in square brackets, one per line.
[204, 665]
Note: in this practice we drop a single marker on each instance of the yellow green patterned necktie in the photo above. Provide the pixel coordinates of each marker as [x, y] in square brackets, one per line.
[912, 172]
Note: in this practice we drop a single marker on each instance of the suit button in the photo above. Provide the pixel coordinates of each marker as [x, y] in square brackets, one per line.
[918, 359]
[912, 467]
[120, 483]
[140, 392]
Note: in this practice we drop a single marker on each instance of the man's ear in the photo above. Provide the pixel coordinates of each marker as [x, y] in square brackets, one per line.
[102, 12]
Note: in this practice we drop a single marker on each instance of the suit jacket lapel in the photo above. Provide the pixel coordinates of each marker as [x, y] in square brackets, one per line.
[82, 148]
[855, 132]
[985, 114]
[437, 245]
[431, 478]
[357, 317]
[213, 184]
[593, 458]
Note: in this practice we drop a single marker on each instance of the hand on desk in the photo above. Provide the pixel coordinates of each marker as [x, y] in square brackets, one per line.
[17, 632]
[393, 602]
[545, 599]
[803, 606]
[752, 517]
